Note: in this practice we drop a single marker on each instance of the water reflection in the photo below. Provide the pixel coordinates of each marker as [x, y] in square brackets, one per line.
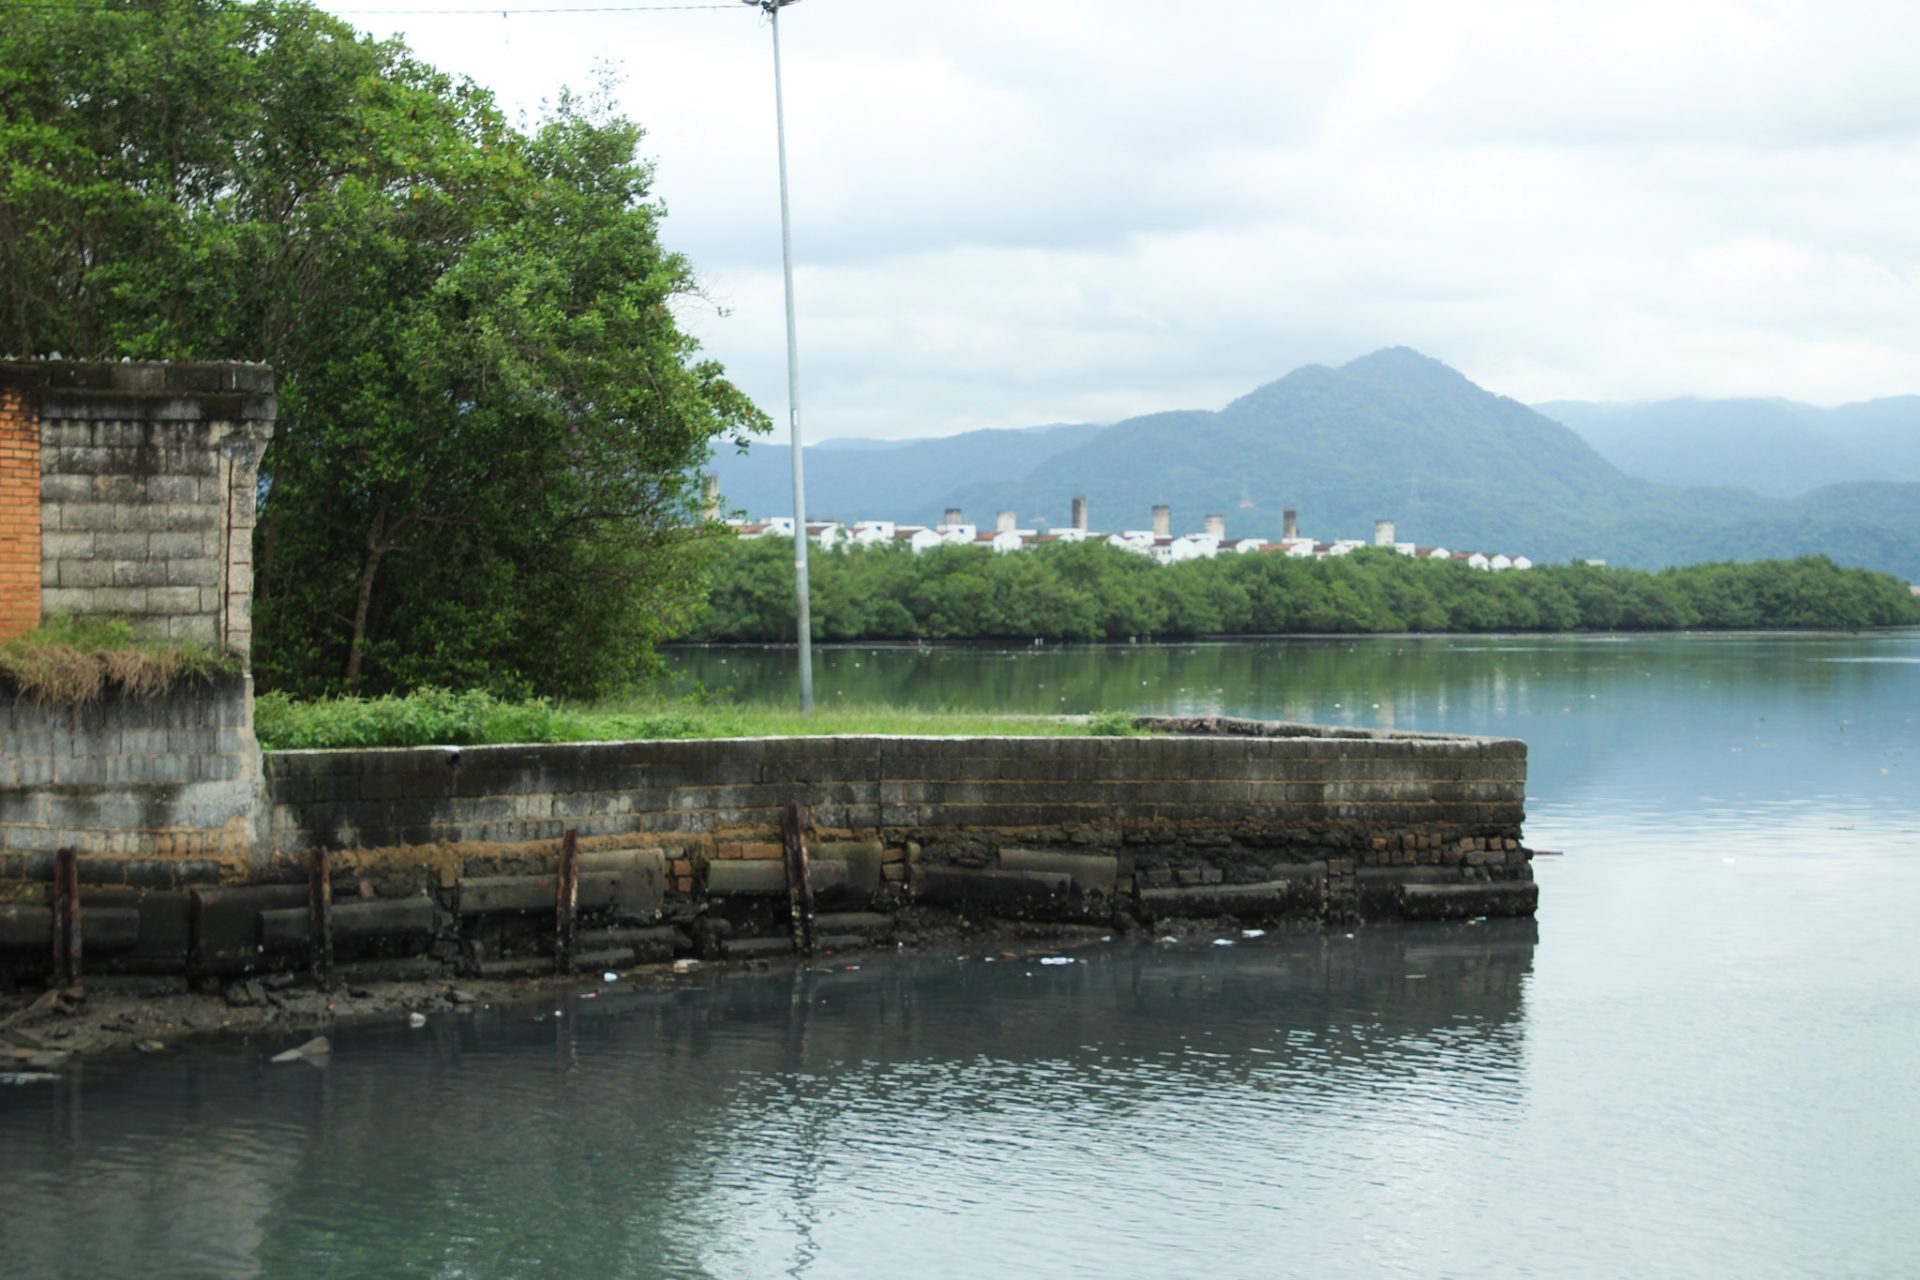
[1658, 720]
[760, 1123]
[1705, 1067]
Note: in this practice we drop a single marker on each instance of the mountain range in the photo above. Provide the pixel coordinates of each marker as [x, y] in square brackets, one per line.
[1775, 447]
[1392, 435]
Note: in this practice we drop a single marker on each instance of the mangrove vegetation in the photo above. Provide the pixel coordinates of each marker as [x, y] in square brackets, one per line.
[1093, 591]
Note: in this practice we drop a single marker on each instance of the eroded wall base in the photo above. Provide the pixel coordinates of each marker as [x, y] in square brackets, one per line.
[444, 861]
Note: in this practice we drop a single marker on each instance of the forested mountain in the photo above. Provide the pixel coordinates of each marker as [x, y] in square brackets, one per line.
[884, 479]
[1774, 447]
[1393, 435]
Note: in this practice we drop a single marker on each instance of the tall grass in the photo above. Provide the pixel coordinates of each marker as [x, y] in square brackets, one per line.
[440, 716]
[75, 661]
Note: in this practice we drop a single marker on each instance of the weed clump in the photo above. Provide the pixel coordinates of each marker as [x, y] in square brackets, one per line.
[443, 717]
[70, 662]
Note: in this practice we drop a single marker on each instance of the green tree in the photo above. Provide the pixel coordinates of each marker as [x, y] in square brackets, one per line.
[489, 421]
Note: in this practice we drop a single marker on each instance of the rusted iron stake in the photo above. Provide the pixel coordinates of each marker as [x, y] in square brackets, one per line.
[566, 901]
[66, 918]
[320, 915]
[799, 877]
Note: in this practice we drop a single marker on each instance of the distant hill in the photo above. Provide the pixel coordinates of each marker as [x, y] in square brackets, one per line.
[1776, 447]
[854, 479]
[1393, 435]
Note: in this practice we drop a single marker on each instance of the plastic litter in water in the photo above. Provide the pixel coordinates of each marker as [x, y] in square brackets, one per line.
[609, 976]
[1169, 938]
[314, 1049]
[685, 966]
[1055, 960]
[1223, 942]
[416, 1020]
[1253, 933]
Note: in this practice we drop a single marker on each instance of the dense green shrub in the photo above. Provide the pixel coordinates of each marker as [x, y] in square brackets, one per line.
[1092, 591]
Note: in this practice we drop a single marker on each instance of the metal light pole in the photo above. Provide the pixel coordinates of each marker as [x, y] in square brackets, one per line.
[803, 610]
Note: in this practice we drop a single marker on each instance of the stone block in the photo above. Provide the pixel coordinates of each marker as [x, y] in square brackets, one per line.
[861, 924]
[28, 927]
[1495, 899]
[226, 930]
[746, 876]
[201, 627]
[1022, 893]
[107, 928]
[83, 573]
[531, 895]
[356, 922]
[1091, 873]
[191, 573]
[185, 546]
[166, 488]
[1297, 898]
[639, 946]
[67, 546]
[642, 880]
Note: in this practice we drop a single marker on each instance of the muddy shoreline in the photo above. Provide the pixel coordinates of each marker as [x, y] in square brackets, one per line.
[125, 1021]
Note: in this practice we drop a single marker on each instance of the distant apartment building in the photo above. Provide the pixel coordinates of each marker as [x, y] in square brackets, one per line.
[1157, 541]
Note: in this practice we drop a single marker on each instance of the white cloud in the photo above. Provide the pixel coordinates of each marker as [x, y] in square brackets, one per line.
[1018, 211]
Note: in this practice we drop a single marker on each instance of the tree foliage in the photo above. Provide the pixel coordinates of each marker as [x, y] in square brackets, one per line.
[1092, 591]
[489, 419]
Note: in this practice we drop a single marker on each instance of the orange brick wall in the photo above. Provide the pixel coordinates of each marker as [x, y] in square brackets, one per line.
[19, 512]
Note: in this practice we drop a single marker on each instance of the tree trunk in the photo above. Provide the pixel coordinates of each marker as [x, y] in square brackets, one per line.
[377, 546]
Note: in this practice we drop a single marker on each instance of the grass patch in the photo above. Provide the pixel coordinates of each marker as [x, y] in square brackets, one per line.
[74, 661]
[443, 717]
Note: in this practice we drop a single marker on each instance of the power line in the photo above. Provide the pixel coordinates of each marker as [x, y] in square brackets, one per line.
[88, 6]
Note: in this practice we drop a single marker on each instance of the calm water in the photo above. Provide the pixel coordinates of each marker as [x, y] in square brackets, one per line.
[1704, 1060]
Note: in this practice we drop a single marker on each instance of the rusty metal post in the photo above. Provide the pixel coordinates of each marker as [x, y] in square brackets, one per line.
[566, 901]
[799, 877]
[320, 915]
[66, 918]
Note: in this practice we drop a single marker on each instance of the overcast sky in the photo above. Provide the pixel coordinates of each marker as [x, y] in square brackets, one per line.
[1009, 212]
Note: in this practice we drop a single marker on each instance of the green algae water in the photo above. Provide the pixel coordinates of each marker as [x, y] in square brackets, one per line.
[1699, 1060]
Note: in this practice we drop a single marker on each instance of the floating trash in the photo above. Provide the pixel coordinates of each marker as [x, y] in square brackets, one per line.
[27, 1077]
[1169, 939]
[1223, 942]
[1056, 960]
[1253, 933]
[416, 1020]
[318, 1047]
[685, 966]
[609, 976]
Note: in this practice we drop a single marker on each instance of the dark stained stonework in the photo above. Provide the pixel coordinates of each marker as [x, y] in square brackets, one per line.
[446, 858]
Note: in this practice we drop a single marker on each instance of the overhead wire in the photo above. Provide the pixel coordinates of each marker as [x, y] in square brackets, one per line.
[94, 6]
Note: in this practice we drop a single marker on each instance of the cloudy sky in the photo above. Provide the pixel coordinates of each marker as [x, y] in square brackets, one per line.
[1009, 212]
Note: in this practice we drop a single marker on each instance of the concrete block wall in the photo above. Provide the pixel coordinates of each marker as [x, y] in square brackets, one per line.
[145, 495]
[154, 792]
[445, 857]
[1223, 820]
[1339, 789]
